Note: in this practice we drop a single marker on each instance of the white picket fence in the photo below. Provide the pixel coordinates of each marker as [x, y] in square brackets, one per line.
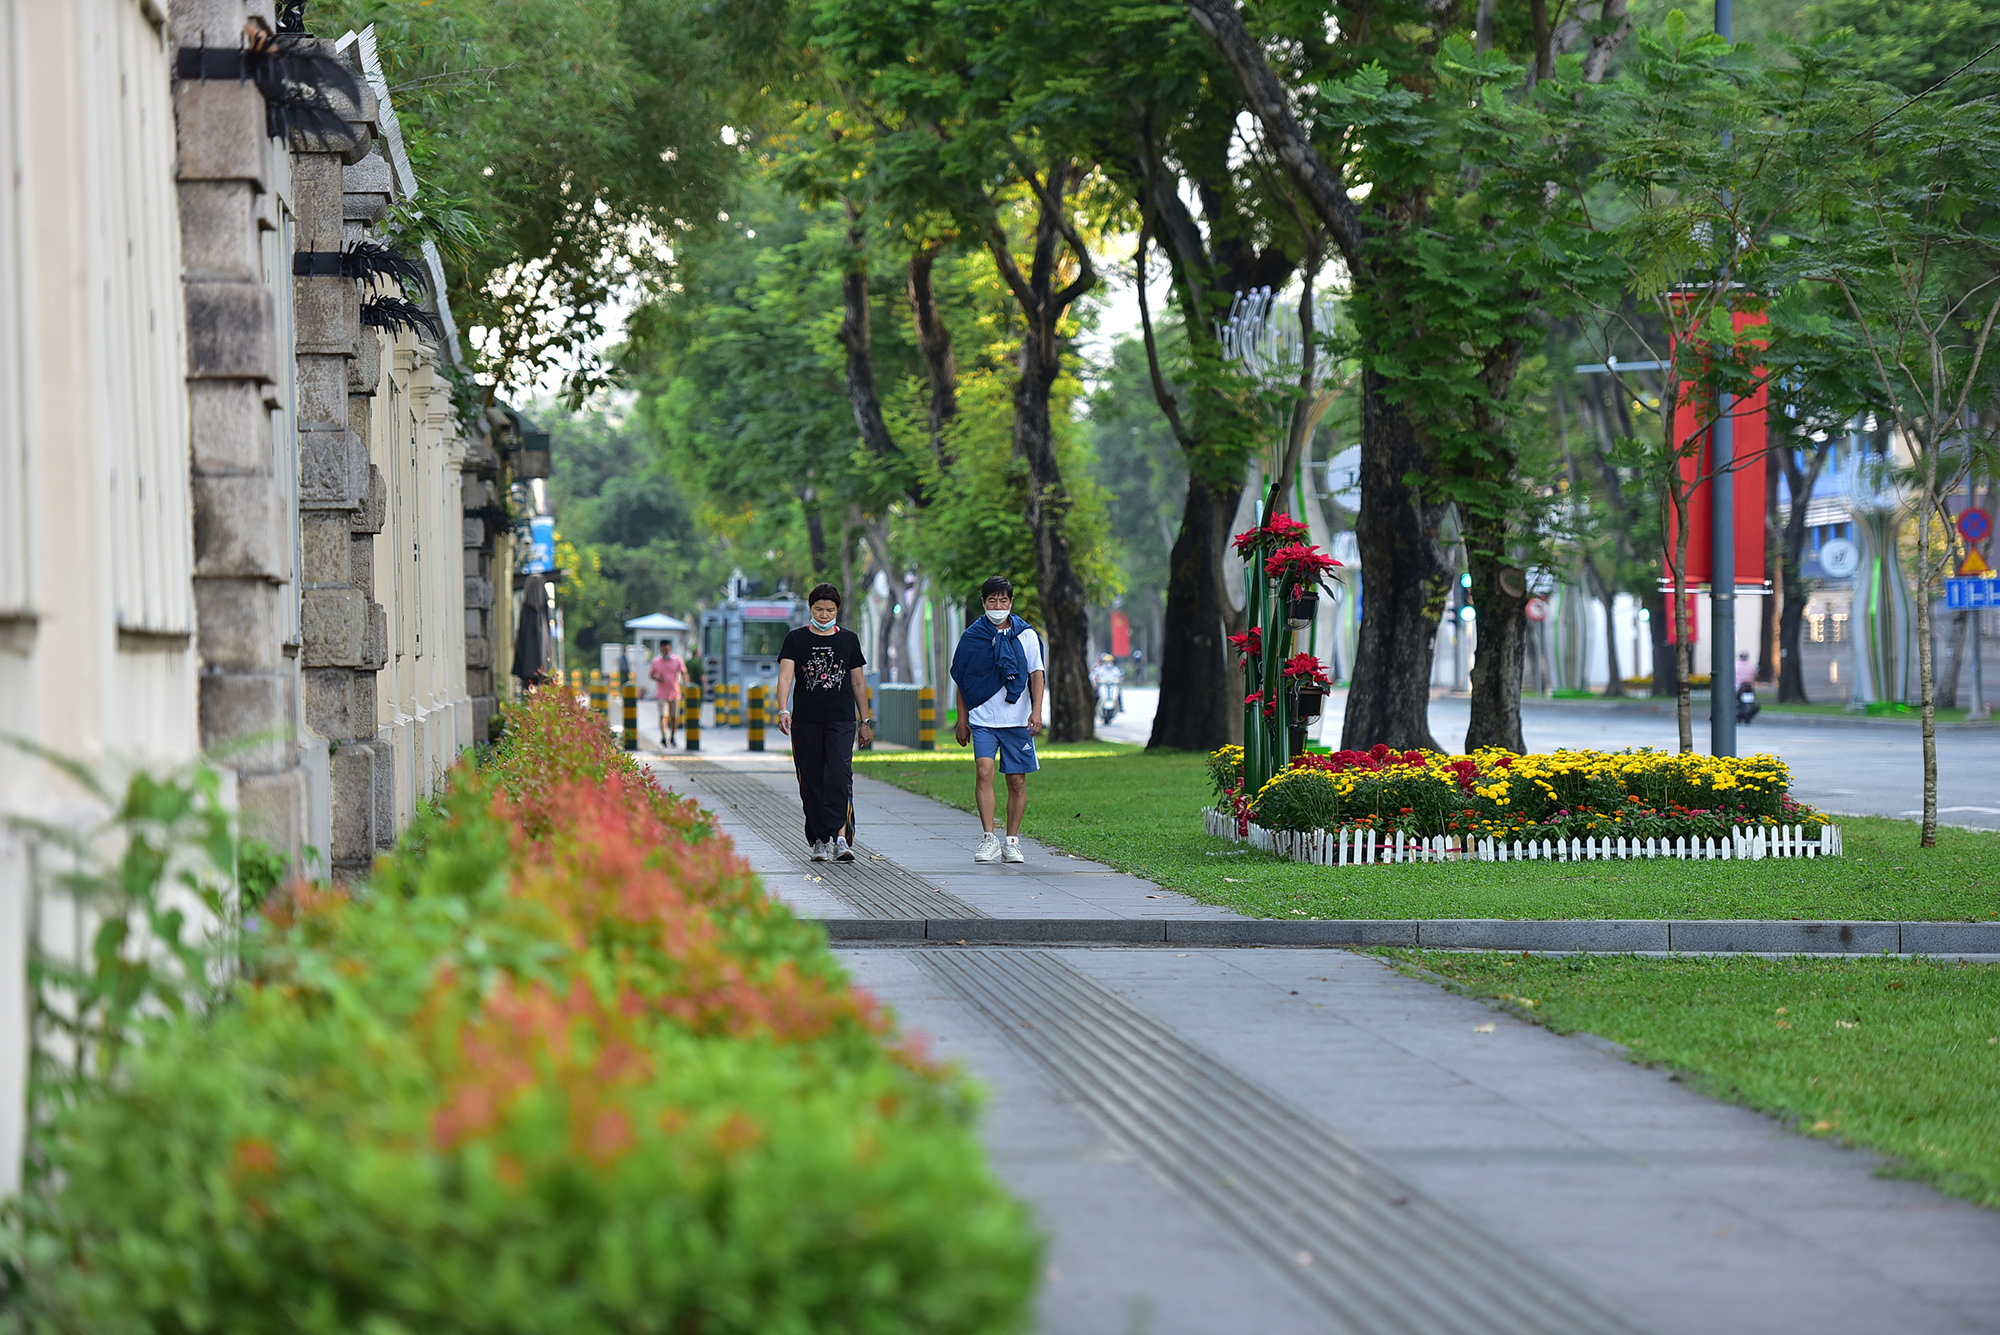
[1352, 847]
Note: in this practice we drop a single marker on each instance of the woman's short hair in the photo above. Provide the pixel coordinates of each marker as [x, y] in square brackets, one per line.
[998, 584]
[823, 593]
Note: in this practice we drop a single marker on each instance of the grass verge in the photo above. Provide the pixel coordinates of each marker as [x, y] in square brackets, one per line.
[1897, 1055]
[1140, 812]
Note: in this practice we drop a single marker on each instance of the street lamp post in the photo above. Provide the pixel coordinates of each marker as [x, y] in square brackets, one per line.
[1722, 537]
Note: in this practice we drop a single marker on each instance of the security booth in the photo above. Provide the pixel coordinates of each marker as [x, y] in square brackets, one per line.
[740, 641]
[654, 630]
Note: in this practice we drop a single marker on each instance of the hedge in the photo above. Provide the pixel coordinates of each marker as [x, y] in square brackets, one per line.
[562, 1066]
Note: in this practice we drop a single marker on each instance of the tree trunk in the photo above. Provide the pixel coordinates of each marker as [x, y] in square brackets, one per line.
[815, 531]
[934, 342]
[1405, 583]
[1072, 699]
[1768, 655]
[1666, 675]
[1500, 594]
[1794, 588]
[1791, 624]
[1197, 705]
[1926, 657]
[1954, 666]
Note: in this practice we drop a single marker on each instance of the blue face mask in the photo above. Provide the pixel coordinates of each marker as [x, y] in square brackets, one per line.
[826, 624]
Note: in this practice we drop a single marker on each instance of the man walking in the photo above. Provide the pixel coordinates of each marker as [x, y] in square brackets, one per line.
[668, 671]
[998, 669]
[824, 660]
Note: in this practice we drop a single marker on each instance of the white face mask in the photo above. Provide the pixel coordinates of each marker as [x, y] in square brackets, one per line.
[998, 615]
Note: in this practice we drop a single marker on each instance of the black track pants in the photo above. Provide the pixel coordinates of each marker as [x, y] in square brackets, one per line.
[823, 755]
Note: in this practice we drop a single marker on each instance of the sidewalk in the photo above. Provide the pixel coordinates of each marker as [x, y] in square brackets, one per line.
[1223, 1140]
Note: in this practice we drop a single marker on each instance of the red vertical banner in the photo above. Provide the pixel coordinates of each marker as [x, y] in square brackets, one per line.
[1750, 451]
[1693, 620]
[1121, 635]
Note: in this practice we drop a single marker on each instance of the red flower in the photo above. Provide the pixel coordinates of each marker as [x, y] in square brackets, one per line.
[1304, 668]
[1249, 645]
[1281, 530]
[1299, 562]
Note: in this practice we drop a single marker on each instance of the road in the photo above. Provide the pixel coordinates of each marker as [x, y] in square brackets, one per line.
[1848, 768]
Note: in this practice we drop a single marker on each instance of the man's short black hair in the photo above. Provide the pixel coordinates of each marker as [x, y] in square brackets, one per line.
[998, 584]
[823, 593]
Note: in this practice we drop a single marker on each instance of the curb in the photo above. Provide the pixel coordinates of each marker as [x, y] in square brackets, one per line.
[1648, 706]
[1613, 936]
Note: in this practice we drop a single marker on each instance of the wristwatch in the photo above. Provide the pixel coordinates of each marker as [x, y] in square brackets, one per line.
[868, 723]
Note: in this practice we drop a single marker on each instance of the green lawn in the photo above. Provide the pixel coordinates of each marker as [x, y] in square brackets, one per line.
[1899, 1055]
[1141, 813]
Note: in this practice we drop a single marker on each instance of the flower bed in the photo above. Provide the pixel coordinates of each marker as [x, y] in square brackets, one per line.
[563, 1066]
[1493, 803]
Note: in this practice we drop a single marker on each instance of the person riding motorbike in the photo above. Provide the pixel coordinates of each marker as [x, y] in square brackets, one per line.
[1109, 679]
[1747, 707]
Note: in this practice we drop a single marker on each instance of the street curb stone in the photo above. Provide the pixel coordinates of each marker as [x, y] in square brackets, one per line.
[1614, 936]
[1307, 932]
[1950, 938]
[1739, 936]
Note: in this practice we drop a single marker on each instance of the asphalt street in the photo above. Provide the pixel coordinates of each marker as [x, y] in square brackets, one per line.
[1843, 767]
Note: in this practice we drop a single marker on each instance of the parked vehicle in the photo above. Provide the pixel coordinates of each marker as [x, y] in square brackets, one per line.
[740, 640]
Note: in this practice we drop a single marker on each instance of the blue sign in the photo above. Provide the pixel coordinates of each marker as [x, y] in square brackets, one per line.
[1961, 594]
[541, 545]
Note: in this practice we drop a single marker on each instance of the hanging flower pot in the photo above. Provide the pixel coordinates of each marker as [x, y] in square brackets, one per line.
[1303, 607]
[1307, 702]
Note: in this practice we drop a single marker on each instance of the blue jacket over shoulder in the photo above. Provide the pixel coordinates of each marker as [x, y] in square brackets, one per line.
[989, 660]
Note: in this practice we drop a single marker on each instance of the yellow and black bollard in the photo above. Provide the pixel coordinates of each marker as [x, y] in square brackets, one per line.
[691, 715]
[757, 717]
[630, 692]
[735, 704]
[926, 719]
[597, 695]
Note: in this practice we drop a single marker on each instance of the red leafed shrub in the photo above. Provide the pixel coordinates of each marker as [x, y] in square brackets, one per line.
[560, 1066]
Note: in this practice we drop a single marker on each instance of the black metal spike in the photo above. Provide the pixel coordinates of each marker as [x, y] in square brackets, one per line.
[373, 263]
[394, 313]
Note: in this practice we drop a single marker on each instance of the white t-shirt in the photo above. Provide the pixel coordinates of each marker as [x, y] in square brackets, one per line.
[997, 713]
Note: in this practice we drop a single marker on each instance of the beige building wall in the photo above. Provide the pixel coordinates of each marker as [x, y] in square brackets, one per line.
[423, 707]
[97, 623]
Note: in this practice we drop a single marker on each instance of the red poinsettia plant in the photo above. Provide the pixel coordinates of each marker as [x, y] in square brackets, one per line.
[1306, 670]
[1248, 645]
[1263, 700]
[1282, 530]
[1299, 563]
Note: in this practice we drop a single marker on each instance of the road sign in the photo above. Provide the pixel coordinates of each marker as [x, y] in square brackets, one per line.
[1974, 564]
[1974, 524]
[1537, 609]
[1839, 558]
[1964, 594]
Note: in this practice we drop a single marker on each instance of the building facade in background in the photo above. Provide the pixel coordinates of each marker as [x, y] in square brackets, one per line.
[242, 516]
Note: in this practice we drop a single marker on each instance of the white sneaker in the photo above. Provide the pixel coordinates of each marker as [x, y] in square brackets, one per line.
[819, 850]
[841, 852]
[989, 848]
[1011, 851]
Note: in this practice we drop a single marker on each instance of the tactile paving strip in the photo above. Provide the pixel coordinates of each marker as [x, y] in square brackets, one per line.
[1375, 1254]
[876, 886]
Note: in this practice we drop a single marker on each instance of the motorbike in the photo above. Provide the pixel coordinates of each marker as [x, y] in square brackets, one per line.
[1747, 707]
[1108, 702]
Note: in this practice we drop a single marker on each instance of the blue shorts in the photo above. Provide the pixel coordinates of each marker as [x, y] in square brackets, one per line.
[1014, 746]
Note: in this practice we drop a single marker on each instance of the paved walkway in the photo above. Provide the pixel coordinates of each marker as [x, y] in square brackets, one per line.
[1230, 1140]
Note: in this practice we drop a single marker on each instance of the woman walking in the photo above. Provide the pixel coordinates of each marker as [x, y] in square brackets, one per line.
[824, 661]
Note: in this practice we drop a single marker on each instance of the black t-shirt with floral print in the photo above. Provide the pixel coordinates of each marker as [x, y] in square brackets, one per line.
[821, 664]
